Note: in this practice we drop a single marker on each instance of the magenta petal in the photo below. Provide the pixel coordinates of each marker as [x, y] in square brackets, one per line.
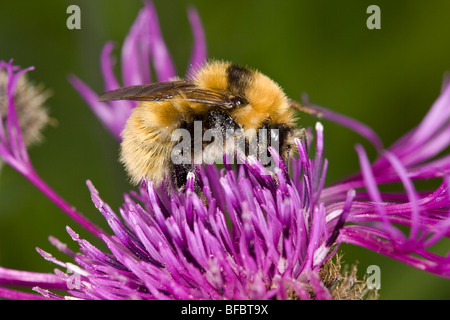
[375, 240]
[162, 62]
[107, 64]
[101, 109]
[16, 144]
[31, 279]
[372, 189]
[348, 122]
[198, 55]
[410, 190]
[136, 51]
[443, 226]
[435, 119]
[19, 295]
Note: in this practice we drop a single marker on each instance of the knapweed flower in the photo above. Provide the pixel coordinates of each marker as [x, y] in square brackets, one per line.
[248, 234]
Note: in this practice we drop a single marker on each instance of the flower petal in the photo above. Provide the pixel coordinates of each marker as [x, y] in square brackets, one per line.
[198, 55]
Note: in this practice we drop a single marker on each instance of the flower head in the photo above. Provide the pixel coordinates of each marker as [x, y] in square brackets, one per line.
[247, 234]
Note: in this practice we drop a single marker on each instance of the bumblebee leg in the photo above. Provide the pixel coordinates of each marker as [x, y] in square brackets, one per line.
[179, 173]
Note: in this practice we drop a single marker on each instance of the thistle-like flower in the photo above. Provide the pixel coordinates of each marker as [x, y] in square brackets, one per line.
[250, 235]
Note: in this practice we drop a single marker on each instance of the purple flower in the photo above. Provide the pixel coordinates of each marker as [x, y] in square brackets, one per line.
[248, 235]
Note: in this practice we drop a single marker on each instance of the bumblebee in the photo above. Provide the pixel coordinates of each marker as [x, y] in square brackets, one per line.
[219, 96]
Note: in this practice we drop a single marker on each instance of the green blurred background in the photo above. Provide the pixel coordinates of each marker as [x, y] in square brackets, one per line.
[386, 78]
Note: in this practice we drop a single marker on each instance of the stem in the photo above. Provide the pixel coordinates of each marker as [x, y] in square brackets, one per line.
[32, 176]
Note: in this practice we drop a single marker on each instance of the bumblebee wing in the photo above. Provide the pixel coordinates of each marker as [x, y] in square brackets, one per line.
[148, 92]
[168, 90]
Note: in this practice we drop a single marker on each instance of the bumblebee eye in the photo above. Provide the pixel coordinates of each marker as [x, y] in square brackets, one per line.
[239, 101]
